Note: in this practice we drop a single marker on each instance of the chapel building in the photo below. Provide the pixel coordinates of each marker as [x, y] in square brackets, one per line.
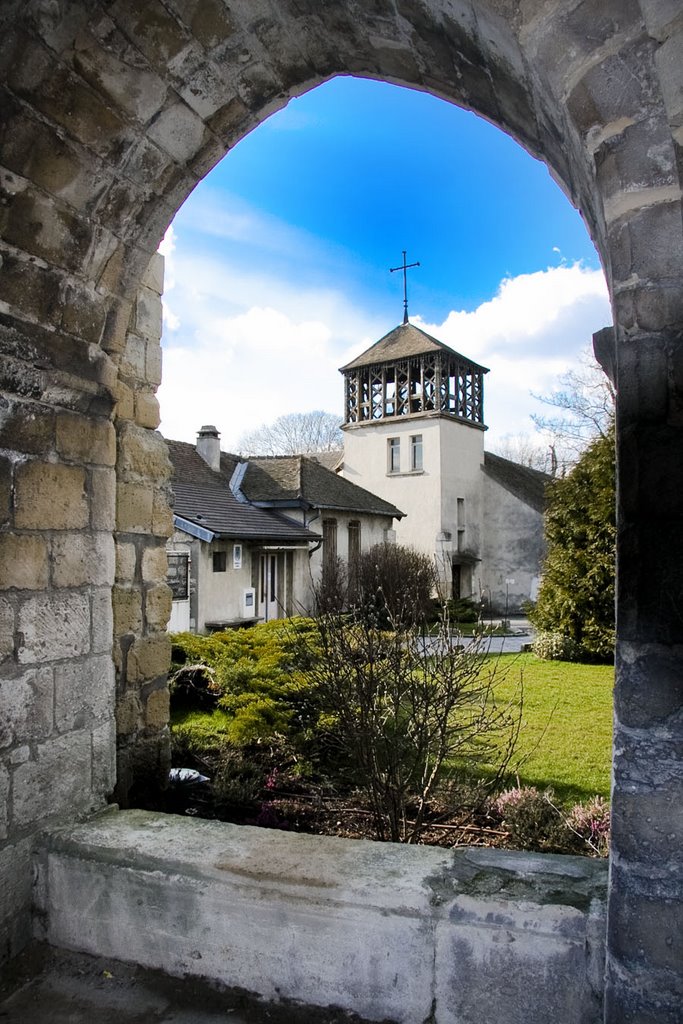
[414, 435]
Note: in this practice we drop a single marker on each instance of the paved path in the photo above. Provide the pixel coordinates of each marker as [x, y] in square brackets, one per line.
[51, 986]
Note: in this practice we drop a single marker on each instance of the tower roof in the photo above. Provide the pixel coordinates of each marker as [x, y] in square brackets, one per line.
[403, 342]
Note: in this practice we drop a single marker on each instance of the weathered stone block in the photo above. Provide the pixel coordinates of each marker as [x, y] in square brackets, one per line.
[148, 315]
[103, 491]
[154, 564]
[79, 558]
[84, 693]
[142, 453]
[153, 277]
[102, 621]
[126, 558]
[83, 313]
[670, 68]
[158, 602]
[85, 439]
[162, 519]
[50, 496]
[157, 709]
[53, 626]
[179, 131]
[134, 508]
[6, 475]
[133, 361]
[30, 288]
[127, 608]
[57, 782]
[128, 713]
[43, 227]
[27, 427]
[149, 658]
[125, 401]
[153, 364]
[147, 410]
[26, 707]
[23, 562]
[6, 629]
[104, 757]
[15, 897]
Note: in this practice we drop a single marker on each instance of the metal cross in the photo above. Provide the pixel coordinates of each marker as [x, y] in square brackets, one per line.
[404, 267]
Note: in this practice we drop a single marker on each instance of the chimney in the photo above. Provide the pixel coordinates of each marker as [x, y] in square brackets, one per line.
[209, 446]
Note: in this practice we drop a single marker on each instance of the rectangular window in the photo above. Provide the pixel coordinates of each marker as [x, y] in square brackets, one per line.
[354, 557]
[178, 575]
[394, 455]
[460, 522]
[220, 561]
[416, 452]
[329, 549]
[237, 556]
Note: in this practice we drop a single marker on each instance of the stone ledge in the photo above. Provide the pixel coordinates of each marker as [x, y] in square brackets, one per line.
[382, 930]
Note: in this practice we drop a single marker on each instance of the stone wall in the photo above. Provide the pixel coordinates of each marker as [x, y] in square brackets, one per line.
[109, 115]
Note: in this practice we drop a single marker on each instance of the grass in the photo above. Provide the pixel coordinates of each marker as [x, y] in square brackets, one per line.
[566, 736]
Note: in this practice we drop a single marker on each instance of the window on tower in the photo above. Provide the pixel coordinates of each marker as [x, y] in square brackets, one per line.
[416, 452]
[394, 455]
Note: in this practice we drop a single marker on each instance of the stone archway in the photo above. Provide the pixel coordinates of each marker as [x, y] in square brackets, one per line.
[111, 114]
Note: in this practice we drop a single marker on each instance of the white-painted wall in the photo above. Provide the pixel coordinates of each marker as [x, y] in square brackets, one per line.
[513, 549]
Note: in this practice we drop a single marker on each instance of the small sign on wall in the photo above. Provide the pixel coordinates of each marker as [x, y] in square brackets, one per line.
[237, 556]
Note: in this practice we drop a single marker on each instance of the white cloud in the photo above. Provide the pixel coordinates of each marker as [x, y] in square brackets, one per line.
[241, 348]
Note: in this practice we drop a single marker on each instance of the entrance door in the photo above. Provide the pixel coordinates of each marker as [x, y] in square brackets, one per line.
[268, 587]
[457, 582]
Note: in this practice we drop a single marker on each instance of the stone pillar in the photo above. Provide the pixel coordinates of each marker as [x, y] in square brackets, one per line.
[645, 940]
[141, 596]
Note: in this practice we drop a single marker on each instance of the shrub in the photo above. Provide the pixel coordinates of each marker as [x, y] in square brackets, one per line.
[462, 609]
[590, 824]
[557, 647]
[397, 582]
[531, 819]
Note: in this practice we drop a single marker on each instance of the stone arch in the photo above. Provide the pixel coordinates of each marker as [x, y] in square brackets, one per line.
[111, 114]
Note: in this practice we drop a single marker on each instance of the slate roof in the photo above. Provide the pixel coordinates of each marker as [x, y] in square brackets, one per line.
[404, 341]
[296, 479]
[525, 483]
[203, 497]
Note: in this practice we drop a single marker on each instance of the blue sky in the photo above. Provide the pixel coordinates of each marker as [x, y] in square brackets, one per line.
[278, 263]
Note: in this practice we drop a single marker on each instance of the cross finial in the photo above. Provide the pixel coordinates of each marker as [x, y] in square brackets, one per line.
[404, 267]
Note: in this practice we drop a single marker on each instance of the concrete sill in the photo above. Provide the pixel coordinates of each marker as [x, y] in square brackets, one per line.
[387, 931]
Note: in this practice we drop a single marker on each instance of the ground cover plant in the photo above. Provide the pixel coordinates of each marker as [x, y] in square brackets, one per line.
[264, 733]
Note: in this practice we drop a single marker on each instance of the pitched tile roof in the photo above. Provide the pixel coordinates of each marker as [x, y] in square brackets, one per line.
[404, 341]
[203, 497]
[525, 483]
[297, 479]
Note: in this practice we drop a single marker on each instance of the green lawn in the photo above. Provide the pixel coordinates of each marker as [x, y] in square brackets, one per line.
[566, 724]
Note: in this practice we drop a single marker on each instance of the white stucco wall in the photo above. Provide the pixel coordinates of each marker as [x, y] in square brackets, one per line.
[513, 548]
[453, 454]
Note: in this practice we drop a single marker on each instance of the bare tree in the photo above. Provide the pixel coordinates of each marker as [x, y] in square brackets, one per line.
[585, 400]
[525, 450]
[294, 434]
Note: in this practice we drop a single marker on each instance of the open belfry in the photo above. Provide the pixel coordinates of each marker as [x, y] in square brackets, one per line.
[414, 435]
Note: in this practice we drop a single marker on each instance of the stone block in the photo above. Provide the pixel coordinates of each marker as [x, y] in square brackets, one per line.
[134, 508]
[127, 608]
[50, 496]
[670, 68]
[27, 427]
[84, 693]
[6, 629]
[84, 439]
[162, 519]
[157, 33]
[119, 313]
[142, 453]
[148, 315]
[104, 757]
[128, 713]
[57, 782]
[149, 658]
[154, 563]
[126, 559]
[133, 361]
[103, 491]
[102, 621]
[158, 602]
[6, 475]
[4, 798]
[647, 826]
[147, 410]
[153, 364]
[53, 626]
[64, 237]
[79, 558]
[23, 562]
[26, 707]
[153, 277]
[83, 313]
[178, 131]
[30, 288]
[157, 709]
[660, 16]
[125, 401]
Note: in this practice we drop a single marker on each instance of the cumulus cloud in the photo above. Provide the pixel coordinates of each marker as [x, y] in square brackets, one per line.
[243, 346]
